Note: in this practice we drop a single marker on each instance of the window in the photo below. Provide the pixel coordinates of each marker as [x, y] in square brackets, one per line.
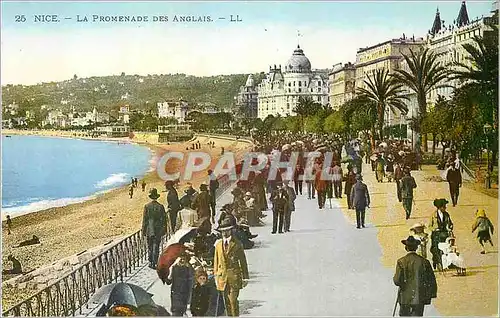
[289, 84]
[300, 84]
[293, 83]
[300, 90]
[319, 83]
[319, 89]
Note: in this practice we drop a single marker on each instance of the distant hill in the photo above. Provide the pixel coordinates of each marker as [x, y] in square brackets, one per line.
[140, 92]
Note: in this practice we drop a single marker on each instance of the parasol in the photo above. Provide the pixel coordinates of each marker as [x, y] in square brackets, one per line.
[300, 142]
[383, 144]
[321, 148]
[286, 147]
[401, 153]
[168, 258]
[122, 294]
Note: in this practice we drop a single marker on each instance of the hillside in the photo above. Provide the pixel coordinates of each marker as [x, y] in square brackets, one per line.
[140, 92]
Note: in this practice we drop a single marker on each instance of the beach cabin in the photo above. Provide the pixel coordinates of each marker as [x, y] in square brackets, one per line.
[113, 131]
[177, 132]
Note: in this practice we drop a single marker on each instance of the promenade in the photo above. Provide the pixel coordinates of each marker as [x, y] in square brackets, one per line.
[327, 267]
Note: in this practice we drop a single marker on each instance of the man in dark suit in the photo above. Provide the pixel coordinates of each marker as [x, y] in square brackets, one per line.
[280, 200]
[407, 185]
[153, 226]
[360, 200]
[416, 281]
[230, 267]
[173, 204]
[213, 185]
[454, 178]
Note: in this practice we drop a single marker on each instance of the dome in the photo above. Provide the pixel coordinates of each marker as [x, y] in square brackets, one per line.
[298, 63]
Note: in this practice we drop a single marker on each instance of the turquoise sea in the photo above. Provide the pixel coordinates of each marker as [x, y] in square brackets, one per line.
[43, 172]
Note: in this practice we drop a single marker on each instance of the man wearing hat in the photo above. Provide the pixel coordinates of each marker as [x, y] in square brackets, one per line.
[360, 200]
[407, 185]
[173, 204]
[213, 185]
[279, 198]
[202, 203]
[153, 226]
[416, 281]
[441, 226]
[230, 267]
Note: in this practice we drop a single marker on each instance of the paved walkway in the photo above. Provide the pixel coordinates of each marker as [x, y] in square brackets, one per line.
[323, 267]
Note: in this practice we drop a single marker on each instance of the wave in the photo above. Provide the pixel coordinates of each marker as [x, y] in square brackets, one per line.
[42, 205]
[114, 179]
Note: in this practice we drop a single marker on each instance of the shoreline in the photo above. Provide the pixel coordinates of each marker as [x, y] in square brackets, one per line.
[151, 166]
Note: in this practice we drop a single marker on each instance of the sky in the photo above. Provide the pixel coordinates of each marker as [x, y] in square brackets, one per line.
[329, 32]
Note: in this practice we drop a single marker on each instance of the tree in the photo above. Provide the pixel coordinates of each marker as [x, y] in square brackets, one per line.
[314, 124]
[425, 73]
[479, 77]
[306, 107]
[334, 123]
[384, 92]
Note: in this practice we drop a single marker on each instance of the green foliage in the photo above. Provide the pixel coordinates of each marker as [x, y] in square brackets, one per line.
[385, 92]
[314, 124]
[292, 123]
[144, 91]
[203, 122]
[334, 123]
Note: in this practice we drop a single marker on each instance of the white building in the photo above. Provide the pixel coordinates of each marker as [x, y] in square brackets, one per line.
[246, 100]
[173, 109]
[280, 91]
[447, 41]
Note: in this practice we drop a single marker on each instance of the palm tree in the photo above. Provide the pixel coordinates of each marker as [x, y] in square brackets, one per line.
[425, 74]
[479, 76]
[384, 92]
[306, 107]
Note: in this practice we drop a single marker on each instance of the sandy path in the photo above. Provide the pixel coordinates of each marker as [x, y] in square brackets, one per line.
[473, 295]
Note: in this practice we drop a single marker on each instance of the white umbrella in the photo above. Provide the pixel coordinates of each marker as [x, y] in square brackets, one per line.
[383, 144]
[401, 153]
[300, 142]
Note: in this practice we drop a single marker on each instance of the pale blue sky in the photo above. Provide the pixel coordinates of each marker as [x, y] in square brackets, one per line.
[332, 32]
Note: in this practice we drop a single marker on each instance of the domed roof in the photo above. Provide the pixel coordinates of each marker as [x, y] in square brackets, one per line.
[298, 63]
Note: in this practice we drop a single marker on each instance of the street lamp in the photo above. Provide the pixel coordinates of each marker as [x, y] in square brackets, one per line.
[487, 129]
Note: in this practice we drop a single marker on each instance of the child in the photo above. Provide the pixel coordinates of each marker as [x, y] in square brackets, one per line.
[483, 224]
[418, 232]
[451, 256]
[201, 294]
[182, 283]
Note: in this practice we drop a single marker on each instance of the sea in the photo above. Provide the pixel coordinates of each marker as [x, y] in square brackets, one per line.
[44, 172]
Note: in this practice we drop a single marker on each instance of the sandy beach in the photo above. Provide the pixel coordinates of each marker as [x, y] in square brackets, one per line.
[472, 295]
[65, 231]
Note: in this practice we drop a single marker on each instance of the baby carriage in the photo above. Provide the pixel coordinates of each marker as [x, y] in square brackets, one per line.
[451, 258]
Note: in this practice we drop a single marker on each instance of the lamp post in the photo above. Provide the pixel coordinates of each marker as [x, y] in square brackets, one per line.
[487, 129]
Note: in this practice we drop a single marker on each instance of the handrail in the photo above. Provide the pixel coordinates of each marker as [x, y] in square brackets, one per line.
[69, 294]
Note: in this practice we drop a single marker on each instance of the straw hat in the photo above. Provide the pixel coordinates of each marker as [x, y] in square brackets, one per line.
[225, 225]
[480, 213]
[417, 225]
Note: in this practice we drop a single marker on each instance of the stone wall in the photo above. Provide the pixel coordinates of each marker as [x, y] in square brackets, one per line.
[45, 276]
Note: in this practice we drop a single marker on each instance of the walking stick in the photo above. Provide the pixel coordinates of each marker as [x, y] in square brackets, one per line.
[396, 304]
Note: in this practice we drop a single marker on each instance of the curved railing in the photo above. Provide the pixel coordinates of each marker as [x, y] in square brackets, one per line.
[68, 295]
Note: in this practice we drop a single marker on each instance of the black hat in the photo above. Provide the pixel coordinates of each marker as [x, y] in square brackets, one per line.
[203, 186]
[153, 194]
[440, 202]
[190, 191]
[411, 241]
[226, 224]
[169, 183]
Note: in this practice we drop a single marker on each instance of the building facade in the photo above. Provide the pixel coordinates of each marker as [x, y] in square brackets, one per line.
[246, 100]
[446, 41]
[280, 90]
[342, 81]
[173, 109]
